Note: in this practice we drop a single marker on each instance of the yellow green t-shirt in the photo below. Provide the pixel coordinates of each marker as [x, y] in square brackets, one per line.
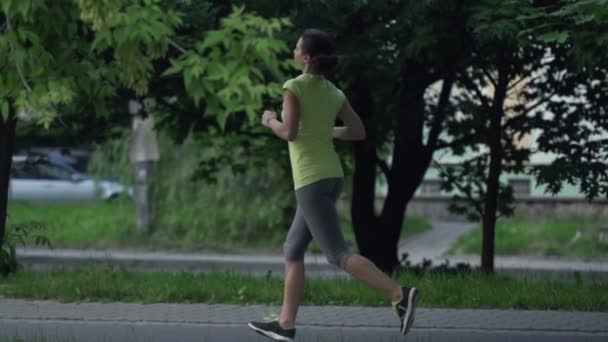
[312, 153]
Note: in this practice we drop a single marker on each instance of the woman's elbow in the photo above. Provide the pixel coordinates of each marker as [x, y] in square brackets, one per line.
[291, 136]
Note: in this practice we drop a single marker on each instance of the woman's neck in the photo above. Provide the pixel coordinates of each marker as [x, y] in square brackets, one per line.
[308, 70]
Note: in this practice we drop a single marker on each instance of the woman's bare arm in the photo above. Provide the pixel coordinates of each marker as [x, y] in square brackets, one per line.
[353, 128]
[288, 128]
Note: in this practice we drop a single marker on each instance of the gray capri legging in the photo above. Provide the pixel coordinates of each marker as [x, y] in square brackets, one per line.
[317, 218]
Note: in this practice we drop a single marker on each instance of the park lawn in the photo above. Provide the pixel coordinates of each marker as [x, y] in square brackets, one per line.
[553, 237]
[111, 224]
[473, 290]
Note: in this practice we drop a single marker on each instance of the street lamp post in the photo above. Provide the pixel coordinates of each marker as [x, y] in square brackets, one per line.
[143, 156]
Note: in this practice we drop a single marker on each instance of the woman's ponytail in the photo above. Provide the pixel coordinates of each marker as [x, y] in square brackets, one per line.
[321, 48]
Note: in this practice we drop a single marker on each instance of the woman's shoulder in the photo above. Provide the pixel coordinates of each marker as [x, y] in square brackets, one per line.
[335, 89]
[299, 78]
[302, 82]
[294, 85]
[334, 86]
[296, 81]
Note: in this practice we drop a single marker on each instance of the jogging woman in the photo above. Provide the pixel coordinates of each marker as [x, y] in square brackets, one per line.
[310, 106]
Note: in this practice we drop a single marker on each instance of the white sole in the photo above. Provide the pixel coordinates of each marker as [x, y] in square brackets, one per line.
[270, 334]
[412, 300]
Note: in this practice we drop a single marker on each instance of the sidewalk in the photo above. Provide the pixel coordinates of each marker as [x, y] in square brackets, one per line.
[203, 322]
[316, 264]
[432, 244]
[52, 321]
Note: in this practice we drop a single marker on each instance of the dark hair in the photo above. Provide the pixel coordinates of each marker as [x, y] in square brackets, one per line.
[321, 48]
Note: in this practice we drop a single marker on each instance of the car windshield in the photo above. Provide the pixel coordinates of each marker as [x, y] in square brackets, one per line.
[41, 170]
[50, 171]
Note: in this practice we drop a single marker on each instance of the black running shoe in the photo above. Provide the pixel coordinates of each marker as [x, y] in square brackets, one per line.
[273, 330]
[406, 307]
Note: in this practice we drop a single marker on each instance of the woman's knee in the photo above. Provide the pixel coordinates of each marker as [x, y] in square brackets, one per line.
[293, 252]
[339, 258]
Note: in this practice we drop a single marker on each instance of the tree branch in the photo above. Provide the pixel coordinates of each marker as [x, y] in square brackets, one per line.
[540, 102]
[456, 142]
[383, 166]
[485, 71]
[517, 82]
[9, 28]
[440, 114]
[489, 76]
[512, 121]
[175, 45]
[469, 83]
[476, 204]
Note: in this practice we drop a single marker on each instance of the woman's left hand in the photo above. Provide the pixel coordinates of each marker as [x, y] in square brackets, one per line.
[267, 116]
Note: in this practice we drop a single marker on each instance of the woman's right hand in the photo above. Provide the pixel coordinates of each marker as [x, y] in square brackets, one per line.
[267, 116]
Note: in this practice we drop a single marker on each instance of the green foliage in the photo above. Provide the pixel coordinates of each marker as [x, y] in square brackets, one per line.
[230, 205]
[32, 82]
[51, 65]
[499, 61]
[102, 47]
[83, 54]
[491, 22]
[230, 66]
[24, 233]
[581, 25]
[5, 110]
[574, 124]
[210, 191]
[137, 32]
[468, 181]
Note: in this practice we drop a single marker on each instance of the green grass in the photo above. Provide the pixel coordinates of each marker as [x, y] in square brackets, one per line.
[84, 224]
[474, 290]
[554, 237]
[112, 225]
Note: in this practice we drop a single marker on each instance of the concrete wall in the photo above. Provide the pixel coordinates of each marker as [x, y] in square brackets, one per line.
[435, 208]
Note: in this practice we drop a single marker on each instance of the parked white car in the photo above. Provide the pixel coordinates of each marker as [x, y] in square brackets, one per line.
[39, 179]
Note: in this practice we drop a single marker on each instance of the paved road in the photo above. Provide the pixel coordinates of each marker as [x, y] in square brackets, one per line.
[433, 243]
[430, 245]
[53, 321]
[316, 265]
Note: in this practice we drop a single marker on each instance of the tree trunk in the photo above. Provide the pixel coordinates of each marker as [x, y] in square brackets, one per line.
[493, 181]
[369, 234]
[378, 237]
[410, 161]
[7, 145]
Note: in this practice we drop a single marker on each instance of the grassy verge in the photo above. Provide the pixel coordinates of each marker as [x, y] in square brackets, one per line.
[111, 225]
[448, 291]
[84, 224]
[555, 237]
